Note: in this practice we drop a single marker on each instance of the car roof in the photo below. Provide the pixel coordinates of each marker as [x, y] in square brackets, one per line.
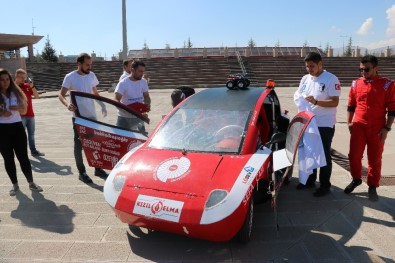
[224, 99]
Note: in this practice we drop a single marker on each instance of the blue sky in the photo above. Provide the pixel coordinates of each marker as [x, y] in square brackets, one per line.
[76, 26]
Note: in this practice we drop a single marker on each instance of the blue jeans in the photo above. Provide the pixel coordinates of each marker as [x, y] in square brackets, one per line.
[30, 125]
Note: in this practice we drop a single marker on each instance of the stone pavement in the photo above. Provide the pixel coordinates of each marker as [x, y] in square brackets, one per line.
[71, 222]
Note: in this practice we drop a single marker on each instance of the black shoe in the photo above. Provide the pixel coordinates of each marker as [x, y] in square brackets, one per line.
[85, 178]
[305, 186]
[37, 153]
[321, 192]
[101, 173]
[372, 193]
[352, 185]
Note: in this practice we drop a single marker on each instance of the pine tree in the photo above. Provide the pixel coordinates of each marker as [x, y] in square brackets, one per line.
[348, 51]
[49, 53]
[251, 43]
[189, 43]
[145, 46]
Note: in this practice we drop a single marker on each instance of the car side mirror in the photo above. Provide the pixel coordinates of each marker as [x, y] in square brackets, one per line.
[276, 138]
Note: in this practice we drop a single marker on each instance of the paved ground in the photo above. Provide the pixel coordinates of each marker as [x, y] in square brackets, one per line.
[70, 221]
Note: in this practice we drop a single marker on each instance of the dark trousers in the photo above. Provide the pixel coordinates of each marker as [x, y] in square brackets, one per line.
[79, 161]
[13, 142]
[327, 134]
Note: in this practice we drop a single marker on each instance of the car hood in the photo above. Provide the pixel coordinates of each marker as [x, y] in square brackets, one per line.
[171, 171]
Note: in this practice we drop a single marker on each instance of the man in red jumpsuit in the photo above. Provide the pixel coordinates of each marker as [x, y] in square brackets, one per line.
[371, 97]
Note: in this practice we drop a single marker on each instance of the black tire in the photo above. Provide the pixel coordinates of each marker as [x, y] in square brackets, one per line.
[246, 229]
[241, 84]
[230, 85]
[247, 83]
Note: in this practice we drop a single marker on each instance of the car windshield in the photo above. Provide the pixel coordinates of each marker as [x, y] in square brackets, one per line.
[202, 130]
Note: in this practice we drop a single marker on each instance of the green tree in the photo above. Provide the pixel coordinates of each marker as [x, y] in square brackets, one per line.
[167, 46]
[145, 45]
[348, 51]
[251, 43]
[189, 43]
[49, 53]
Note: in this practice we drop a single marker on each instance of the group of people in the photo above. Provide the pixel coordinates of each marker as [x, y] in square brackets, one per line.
[371, 113]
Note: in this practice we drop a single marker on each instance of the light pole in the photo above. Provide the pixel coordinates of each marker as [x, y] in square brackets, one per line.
[343, 43]
[124, 31]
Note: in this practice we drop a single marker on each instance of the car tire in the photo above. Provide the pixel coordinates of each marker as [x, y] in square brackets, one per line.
[241, 84]
[230, 85]
[246, 229]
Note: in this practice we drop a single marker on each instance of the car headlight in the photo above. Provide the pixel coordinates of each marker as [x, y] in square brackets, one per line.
[216, 197]
[118, 182]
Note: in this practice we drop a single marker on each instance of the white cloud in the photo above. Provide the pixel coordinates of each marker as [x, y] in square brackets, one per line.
[334, 29]
[379, 44]
[391, 21]
[365, 27]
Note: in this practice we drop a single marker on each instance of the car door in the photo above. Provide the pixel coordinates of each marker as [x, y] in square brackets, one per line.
[104, 141]
[285, 157]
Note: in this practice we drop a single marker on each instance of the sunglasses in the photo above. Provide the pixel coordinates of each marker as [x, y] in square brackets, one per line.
[366, 70]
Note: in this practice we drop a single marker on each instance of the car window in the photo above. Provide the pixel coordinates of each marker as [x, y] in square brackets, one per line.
[202, 130]
[295, 131]
[104, 110]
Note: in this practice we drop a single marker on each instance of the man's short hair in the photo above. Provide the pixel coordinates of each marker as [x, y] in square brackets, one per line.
[20, 71]
[137, 63]
[188, 91]
[370, 59]
[81, 57]
[126, 62]
[176, 97]
[313, 56]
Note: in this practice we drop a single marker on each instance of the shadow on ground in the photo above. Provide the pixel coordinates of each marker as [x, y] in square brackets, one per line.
[335, 226]
[42, 213]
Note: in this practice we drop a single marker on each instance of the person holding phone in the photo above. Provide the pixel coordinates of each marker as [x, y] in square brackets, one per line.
[28, 120]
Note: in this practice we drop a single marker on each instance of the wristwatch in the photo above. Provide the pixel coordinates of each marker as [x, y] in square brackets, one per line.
[387, 128]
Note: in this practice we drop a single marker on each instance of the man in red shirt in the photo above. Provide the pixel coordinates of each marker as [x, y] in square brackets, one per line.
[28, 119]
[371, 97]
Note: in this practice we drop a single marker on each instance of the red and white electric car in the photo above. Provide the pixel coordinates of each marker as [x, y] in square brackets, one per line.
[200, 170]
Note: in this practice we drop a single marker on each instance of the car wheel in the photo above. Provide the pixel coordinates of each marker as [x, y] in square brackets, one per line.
[241, 84]
[230, 85]
[246, 229]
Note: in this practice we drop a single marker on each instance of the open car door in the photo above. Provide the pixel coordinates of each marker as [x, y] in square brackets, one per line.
[285, 158]
[103, 140]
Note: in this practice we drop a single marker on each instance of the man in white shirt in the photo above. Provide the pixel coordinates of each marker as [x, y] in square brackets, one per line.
[127, 69]
[82, 80]
[322, 90]
[131, 90]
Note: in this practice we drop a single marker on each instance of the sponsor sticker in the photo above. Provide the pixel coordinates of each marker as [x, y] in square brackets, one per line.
[160, 208]
[337, 87]
[173, 169]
